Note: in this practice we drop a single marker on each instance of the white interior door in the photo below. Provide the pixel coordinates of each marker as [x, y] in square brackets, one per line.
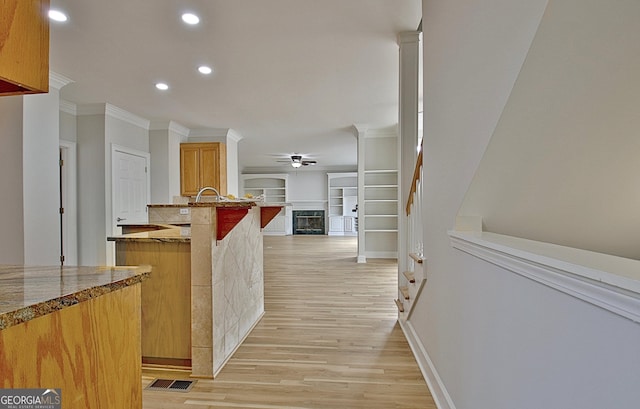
[69, 225]
[130, 185]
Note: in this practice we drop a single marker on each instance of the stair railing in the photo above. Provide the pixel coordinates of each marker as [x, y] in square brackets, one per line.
[412, 282]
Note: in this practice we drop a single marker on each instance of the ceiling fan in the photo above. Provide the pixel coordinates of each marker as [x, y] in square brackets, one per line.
[298, 161]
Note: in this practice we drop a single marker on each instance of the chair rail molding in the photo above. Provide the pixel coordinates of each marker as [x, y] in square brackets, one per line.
[609, 282]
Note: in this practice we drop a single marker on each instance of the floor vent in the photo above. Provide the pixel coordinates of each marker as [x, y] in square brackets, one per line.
[177, 385]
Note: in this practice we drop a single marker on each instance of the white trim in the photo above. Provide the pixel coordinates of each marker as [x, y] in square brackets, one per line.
[437, 388]
[70, 202]
[171, 126]
[198, 134]
[68, 107]
[609, 282]
[408, 37]
[90, 109]
[114, 112]
[58, 81]
[234, 135]
[119, 113]
[381, 254]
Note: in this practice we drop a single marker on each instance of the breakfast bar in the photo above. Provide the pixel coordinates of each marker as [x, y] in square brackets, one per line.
[207, 292]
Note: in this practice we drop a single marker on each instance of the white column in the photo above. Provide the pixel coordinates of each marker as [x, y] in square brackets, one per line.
[409, 42]
[361, 130]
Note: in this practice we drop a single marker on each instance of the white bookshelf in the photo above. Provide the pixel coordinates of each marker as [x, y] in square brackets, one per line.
[342, 200]
[379, 199]
[273, 188]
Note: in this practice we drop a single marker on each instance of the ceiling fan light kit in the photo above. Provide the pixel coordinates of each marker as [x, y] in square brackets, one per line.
[297, 161]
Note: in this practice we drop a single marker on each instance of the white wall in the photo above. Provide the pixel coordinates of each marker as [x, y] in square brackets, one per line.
[497, 340]
[11, 216]
[165, 184]
[91, 190]
[233, 174]
[41, 184]
[68, 127]
[563, 164]
[307, 190]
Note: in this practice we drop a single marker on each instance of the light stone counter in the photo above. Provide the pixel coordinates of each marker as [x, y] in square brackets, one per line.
[28, 292]
[76, 329]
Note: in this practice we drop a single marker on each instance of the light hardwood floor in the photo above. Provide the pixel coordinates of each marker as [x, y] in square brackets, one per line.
[328, 339]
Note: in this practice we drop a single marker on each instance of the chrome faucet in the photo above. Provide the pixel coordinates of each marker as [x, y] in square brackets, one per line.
[208, 188]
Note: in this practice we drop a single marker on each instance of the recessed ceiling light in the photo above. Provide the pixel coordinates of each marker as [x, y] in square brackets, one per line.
[162, 86]
[205, 70]
[57, 15]
[190, 18]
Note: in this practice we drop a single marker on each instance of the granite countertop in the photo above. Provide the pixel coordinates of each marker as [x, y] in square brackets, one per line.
[209, 203]
[28, 292]
[166, 233]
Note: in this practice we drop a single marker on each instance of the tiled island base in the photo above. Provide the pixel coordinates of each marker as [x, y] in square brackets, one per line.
[227, 287]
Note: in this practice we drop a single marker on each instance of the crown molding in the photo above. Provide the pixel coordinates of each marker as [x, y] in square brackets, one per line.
[58, 81]
[126, 116]
[90, 109]
[408, 37]
[68, 107]
[364, 131]
[209, 133]
[214, 135]
[234, 135]
[169, 126]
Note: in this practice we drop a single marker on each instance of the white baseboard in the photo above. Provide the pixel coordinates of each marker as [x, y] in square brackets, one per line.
[381, 254]
[436, 386]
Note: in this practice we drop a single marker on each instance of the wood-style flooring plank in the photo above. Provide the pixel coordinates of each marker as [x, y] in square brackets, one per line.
[329, 339]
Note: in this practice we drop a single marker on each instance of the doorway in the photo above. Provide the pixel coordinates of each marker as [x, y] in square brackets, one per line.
[129, 186]
[68, 205]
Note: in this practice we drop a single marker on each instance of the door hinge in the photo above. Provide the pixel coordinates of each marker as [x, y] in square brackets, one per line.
[62, 210]
[61, 162]
[62, 259]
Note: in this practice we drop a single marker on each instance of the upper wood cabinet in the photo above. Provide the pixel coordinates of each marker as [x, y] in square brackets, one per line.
[24, 47]
[203, 164]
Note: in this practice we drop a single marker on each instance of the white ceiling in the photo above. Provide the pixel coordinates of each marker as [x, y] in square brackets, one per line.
[290, 76]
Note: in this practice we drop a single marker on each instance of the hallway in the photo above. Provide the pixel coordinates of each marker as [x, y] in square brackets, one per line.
[328, 339]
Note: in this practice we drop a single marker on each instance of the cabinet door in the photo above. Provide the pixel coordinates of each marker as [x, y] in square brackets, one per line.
[349, 226]
[24, 47]
[213, 167]
[336, 224]
[189, 170]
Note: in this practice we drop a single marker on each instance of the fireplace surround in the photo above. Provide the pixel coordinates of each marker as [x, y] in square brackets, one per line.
[308, 222]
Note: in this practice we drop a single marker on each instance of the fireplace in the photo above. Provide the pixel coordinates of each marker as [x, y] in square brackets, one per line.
[308, 222]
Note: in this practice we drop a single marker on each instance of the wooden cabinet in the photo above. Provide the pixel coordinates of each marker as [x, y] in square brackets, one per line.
[203, 164]
[24, 47]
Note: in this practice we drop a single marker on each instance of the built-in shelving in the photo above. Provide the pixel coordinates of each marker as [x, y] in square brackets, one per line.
[379, 198]
[273, 189]
[342, 203]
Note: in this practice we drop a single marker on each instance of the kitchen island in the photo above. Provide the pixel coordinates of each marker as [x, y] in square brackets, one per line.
[76, 329]
[213, 292]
